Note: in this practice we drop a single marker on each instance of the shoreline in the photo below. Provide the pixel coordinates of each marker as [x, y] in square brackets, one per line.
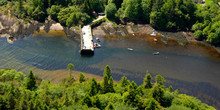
[106, 29]
[19, 28]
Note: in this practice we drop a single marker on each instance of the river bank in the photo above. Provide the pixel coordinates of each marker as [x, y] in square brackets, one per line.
[12, 28]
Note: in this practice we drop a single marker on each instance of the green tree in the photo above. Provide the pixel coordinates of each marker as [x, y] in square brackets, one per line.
[20, 8]
[86, 7]
[110, 106]
[157, 20]
[70, 67]
[145, 5]
[111, 85]
[158, 92]
[152, 104]
[87, 101]
[147, 81]
[108, 85]
[124, 82]
[108, 71]
[105, 83]
[131, 9]
[116, 2]
[132, 97]
[170, 88]
[160, 80]
[93, 88]
[97, 102]
[81, 77]
[198, 35]
[31, 81]
[3, 2]
[110, 11]
[38, 14]
[53, 11]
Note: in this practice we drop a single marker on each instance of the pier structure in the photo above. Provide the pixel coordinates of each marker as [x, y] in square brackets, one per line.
[87, 46]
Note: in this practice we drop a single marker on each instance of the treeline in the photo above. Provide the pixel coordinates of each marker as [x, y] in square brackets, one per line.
[67, 12]
[171, 15]
[20, 92]
[168, 15]
[161, 14]
[207, 26]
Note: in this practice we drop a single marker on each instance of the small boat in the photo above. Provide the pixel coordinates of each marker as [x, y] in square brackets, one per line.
[155, 40]
[156, 53]
[97, 39]
[97, 45]
[130, 49]
[153, 34]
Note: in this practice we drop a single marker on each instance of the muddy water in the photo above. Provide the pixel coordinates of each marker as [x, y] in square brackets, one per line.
[193, 68]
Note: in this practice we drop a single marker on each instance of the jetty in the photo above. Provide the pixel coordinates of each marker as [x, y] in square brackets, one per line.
[87, 46]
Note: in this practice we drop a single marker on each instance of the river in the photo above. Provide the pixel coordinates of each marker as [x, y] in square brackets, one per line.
[193, 69]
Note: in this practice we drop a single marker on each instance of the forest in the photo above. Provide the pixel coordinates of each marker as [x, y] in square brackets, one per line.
[18, 91]
[166, 15]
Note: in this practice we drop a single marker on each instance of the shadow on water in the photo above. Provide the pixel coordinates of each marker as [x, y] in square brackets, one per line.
[86, 56]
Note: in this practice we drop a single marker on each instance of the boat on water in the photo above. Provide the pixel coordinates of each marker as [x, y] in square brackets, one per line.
[130, 49]
[153, 34]
[97, 45]
[155, 40]
[97, 39]
[156, 53]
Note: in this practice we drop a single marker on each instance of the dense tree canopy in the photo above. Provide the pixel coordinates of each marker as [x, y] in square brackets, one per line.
[168, 15]
[89, 95]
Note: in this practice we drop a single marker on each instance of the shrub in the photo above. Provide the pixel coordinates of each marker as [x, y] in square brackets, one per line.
[97, 23]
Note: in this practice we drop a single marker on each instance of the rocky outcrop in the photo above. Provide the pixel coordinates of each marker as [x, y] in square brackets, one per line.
[15, 28]
[121, 30]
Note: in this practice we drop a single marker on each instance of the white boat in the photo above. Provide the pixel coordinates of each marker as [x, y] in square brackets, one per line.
[97, 45]
[153, 34]
[97, 39]
[155, 40]
[156, 53]
[130, 49]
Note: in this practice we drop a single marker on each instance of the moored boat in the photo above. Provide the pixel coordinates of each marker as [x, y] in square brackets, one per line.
[156, 53]
[130, 49]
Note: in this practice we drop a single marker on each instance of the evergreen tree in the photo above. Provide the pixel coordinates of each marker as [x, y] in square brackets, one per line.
[116, 2]
[159, 80]
[131, 9]
[31, 81]
[81, 77]
[170, 88]
[105, 83]
[87, 101]
[146, 9]
[111, 85]
[70, 67]
[110, 106]
[108, 72]
[86, 7]
[124, 82]
[147, 81]
[152, 105]
[158, 92]
[20, 8]
[93, 88]
[97, 102]
[132, 97]
[110, 11]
